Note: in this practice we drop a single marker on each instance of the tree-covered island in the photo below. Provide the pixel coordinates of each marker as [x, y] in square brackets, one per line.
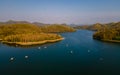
[31, 34]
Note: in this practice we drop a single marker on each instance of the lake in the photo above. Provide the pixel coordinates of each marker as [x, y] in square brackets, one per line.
[77, 54]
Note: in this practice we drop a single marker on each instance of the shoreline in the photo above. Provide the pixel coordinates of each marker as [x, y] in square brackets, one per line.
[112, 41]
[33, 43]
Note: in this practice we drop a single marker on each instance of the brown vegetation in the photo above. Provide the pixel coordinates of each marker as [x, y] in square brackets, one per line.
[27, 32]
[110, 31]
[31, 37]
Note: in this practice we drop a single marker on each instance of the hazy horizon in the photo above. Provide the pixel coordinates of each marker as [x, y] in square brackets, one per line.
[61, 11]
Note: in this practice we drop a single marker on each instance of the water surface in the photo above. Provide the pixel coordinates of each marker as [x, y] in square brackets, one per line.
[77, 54]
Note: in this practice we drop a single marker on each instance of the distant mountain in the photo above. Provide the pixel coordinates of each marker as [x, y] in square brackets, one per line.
[25, 22]
[21, 22]
[55, 28]
[14, 22]
[95, 27]
[81, 27]
[98, 26]
[39, 24]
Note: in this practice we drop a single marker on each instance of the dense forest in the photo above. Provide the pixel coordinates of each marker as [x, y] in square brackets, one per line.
[23, 31]
[109, 31]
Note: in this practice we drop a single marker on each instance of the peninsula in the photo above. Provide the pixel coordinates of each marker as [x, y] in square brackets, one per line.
[25, 33]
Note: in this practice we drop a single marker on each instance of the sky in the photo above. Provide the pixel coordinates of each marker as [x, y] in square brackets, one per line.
[61, 11]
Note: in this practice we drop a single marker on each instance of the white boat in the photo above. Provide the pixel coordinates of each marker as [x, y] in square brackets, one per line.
[71, 51]
[88, 51]
[39, 47]
[26, 57]
[12, 58]
[45, 47]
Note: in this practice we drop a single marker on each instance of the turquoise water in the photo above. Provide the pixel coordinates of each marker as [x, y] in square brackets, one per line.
[77, 54]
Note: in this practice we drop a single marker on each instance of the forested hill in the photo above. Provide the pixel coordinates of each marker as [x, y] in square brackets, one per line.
[26, 27]
[110, 31]
[107, 32]
[99, 26]
[55, 28]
